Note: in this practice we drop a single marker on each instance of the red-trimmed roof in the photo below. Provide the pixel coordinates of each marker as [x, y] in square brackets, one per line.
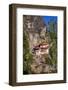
[42, 46]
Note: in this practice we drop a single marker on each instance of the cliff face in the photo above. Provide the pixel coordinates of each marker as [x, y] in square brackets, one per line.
[36, 29]
[37, 36]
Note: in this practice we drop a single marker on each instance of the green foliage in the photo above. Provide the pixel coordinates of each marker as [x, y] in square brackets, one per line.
[27, 56]
[53, 52]
[53, 35]
[53, 49]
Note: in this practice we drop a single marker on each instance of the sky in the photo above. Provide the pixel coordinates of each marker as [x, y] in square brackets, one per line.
[46, 19]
